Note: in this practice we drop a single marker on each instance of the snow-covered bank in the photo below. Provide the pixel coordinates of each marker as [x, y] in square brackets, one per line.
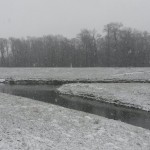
[28, 124]
[132, 95]
[73, 75]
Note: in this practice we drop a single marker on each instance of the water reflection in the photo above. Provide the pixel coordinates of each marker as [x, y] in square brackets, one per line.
[48, 94]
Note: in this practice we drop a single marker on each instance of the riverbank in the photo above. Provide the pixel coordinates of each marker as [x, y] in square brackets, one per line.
[134, 95]
[29, 124]
[59, 76]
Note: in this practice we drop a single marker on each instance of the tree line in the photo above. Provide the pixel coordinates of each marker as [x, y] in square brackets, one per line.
[118, 46]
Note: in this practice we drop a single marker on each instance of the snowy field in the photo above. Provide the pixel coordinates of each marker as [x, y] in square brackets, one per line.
[77, 74]
[135, 95]
[28, 124]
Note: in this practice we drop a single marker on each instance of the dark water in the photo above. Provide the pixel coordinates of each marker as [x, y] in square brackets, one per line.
[48, 94]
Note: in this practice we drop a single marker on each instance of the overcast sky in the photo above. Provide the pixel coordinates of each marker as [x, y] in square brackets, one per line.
[20, 18]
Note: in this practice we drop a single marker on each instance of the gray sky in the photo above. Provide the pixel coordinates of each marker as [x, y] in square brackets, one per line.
[20, 18]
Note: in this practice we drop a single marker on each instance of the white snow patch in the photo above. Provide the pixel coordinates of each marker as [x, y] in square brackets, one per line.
[128, 94]
[2, 80]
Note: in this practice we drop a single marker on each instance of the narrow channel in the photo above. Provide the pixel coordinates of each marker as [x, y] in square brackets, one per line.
[48, 94]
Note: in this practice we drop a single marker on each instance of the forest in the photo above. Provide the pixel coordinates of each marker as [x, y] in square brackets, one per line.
[117, 46]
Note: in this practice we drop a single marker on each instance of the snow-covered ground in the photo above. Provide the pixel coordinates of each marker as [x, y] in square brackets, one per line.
[32, 125]
[28, 124]
[77, 74]
[135, 95]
